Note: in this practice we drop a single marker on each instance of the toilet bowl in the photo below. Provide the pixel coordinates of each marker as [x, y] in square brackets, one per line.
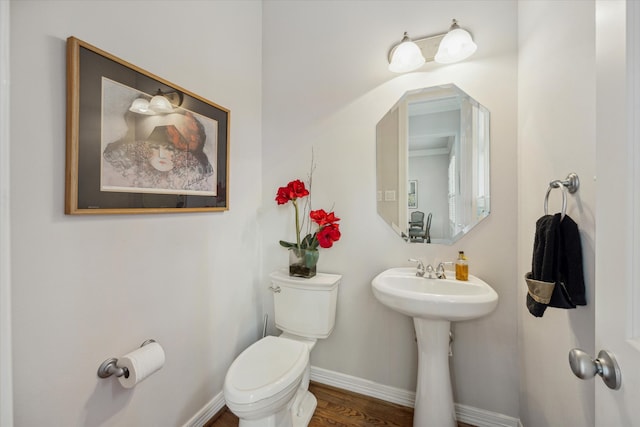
[267, 384]
[263, 381]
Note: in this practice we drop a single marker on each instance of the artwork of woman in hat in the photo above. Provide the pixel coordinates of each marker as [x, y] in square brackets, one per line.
[170, 160]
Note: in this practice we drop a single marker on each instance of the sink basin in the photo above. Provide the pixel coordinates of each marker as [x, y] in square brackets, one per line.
[445, 299]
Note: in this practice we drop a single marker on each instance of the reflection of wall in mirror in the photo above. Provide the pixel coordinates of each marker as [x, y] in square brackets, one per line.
[387, 168]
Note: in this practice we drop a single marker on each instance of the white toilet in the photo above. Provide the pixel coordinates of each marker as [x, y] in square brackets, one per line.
[268, 383]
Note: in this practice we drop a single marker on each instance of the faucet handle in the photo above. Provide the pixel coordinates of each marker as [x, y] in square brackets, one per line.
[440, 269]
[421, 269]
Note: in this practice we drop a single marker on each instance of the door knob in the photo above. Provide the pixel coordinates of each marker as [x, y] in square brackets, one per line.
[584, 367]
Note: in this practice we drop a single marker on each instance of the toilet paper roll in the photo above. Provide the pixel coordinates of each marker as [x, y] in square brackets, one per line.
[141, 363]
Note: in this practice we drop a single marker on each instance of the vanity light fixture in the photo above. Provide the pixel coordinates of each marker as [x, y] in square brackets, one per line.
[446, 48]
[161, 103]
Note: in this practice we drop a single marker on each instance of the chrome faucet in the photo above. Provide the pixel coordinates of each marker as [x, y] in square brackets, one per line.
[430, 272]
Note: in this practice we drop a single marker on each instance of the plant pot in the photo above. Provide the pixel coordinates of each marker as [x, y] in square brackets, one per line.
[302, 262]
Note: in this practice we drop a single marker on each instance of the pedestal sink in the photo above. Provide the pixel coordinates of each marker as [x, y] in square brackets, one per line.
[434, 304]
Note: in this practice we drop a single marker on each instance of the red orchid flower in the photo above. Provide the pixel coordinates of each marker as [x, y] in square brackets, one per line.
[322, 218]
[294, 190]
[328, 234]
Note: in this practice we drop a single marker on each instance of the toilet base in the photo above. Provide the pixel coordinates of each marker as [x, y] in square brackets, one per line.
[297, 416]
[305, 411]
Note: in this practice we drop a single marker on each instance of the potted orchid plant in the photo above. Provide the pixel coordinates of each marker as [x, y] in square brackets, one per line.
[303, 253]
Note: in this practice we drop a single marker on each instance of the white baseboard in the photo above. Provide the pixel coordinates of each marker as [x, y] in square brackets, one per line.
[207, 412]
[362, 386]
[482, 418]
[464, 413]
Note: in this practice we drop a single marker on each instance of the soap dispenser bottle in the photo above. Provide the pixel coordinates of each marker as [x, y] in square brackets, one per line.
[462, 267]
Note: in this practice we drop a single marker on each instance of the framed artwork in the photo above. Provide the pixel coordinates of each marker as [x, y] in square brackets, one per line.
[413, 194]
[137, 143]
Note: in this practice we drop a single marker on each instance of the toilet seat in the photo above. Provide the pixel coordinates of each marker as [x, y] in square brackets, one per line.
[265, 371]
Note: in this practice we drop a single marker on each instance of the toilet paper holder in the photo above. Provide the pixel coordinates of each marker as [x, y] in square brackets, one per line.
[110, 366]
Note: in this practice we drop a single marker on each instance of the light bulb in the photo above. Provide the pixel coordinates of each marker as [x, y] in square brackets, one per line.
[455, 46]
[406, 57]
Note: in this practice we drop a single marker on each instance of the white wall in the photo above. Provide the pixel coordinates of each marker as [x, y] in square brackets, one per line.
[6, 386]
[326, 85]
[556, 124]
[89, 288]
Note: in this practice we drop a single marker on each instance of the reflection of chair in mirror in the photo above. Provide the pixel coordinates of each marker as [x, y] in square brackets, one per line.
[416, 226]
[427, 231]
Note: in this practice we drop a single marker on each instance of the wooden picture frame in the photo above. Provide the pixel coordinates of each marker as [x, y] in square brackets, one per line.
[127, 153]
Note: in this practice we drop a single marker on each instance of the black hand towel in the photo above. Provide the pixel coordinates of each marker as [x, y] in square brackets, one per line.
[556, 278]
[569, 290]
[541, 279]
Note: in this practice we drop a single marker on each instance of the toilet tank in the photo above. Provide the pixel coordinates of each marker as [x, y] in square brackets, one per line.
[305, 307]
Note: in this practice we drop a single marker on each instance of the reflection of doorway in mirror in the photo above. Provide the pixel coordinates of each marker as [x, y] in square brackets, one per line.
[413, 194]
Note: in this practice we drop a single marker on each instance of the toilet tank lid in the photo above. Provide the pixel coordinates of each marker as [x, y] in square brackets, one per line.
[320, 280]
[264, 369]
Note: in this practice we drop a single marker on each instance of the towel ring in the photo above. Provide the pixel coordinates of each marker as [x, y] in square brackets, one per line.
[552, 185]
[572, 183]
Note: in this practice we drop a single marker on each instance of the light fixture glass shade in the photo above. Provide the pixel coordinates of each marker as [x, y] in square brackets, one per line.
[141, 106]
[406, 57]
[455, 46]
[160, 104]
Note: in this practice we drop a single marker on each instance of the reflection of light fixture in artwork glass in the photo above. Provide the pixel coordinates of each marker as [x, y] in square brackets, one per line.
[161, 103]
[141, 106]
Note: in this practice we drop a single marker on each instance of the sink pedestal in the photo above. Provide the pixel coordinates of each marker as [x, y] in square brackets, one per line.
[434, 395]
[433, 304]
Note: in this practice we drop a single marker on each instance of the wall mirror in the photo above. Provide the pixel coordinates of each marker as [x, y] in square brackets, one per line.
[433, 165]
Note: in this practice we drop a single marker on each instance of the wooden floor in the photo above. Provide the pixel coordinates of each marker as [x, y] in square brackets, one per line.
[341, 408]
